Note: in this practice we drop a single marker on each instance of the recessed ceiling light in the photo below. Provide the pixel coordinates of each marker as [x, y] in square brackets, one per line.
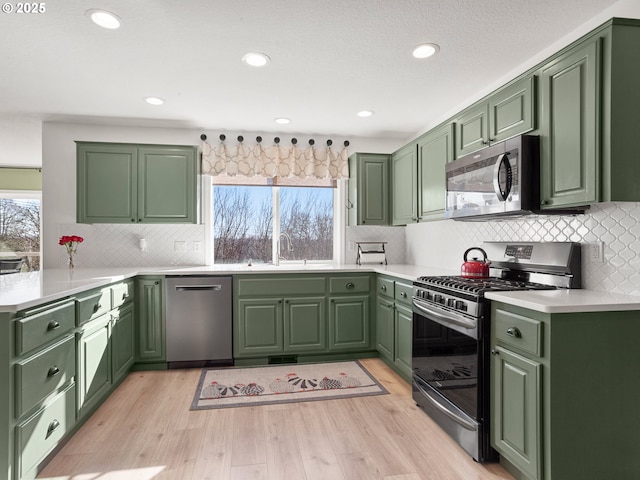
[365, 113]
[104, 19]
[255, 59]
[282, 121]
[154, 100]
[425, 50]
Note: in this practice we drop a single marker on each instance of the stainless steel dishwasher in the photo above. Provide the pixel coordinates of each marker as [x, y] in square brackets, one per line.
[198, 321]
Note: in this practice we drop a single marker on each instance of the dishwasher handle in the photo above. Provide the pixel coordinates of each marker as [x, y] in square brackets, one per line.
[187, 288]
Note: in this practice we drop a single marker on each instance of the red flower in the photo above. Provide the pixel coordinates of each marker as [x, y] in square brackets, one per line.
[65, 239]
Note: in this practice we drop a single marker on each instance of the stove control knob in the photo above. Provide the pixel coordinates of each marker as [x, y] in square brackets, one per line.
[451, 302]
[438, 298]
[460, 305]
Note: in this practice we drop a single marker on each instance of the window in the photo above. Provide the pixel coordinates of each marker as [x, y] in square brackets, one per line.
[20, 229]
[247, 219]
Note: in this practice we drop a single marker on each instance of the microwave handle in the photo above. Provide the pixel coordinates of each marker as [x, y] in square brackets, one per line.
[502, 193]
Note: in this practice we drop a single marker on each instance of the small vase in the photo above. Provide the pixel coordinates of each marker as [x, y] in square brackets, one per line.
[70, 266]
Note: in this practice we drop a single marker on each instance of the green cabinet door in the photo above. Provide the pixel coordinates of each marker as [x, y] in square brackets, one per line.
[516, 410]
[259, 328]
[385, 328]
[122, 341]
[435, 150]
[472, 132]
[167, 184]
[129, 183]
[94, 363]
[150, 332]
[368, 189]
[107, 183]
[570, 102]
[512, 110]
[508, 112]
[305, 325]
[403, 339]
[404, 184]
[349, 323]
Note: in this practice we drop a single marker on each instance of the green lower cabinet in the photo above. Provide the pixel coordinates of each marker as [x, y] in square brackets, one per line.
[349, 323]
[403, 341]
[122, 340]
[150, 332]
[259, 328]
[516, 401]
[305, 325]
[385, 327]
[94, 363]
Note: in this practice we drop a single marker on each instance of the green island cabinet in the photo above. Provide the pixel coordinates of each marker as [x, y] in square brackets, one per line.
[589, 104]
[127, 183]
[507, 112]
[394, 324]
[286, 318]
[105, 337]
[368, 193]
[564, 394]
[418, 182]
[150, 341]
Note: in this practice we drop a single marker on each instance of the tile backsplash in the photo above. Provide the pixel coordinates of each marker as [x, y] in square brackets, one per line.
[117, 245]
[442, 244]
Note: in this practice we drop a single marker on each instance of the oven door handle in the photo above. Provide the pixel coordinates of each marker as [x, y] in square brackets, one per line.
[445, 318]
[456, 418]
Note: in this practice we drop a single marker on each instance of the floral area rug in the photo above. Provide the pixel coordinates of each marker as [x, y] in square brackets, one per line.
[237, 387]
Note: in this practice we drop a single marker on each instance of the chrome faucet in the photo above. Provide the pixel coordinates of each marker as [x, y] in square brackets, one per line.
[289, 248]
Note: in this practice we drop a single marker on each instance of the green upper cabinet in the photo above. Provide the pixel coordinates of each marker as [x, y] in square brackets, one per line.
[368, 201]
[589, 107]
[570, 102]
[404, 178]
[435, 150]
[126, 183]
[418, 177]
[506, 113]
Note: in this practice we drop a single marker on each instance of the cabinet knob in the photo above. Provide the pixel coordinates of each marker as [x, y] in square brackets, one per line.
[96, 307]
[403, 294]
[53, 371]
[495, 352]
[514, 332]
[53, 325]
[383, 288]
[157, 282]
[133, 219]
[350, 285]
[52, 427]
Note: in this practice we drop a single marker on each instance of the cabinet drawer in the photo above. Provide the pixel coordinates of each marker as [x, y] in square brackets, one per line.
[385, 287]
[93, 304]
[44, 325]
[349, 284]
[403, 293]
[43, 373]
[39, 434]
[278, 286]
[121, 293]
[520, 332]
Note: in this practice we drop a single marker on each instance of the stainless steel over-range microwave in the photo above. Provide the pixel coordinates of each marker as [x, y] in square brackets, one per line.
[500, 180]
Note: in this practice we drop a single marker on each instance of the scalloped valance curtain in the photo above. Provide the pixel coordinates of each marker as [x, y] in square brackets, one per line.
[275, 160]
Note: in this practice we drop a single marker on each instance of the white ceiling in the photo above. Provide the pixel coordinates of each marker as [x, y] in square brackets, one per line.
[330, 59]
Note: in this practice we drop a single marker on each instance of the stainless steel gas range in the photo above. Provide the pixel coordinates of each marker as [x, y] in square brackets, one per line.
[451, 333]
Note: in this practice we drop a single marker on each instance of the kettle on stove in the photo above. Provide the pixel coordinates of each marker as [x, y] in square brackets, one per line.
[475, 268]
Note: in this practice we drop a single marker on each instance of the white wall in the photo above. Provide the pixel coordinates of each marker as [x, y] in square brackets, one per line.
[117, 245]
[21, 140]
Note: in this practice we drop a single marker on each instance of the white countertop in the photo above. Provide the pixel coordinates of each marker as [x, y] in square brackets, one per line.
[24, 290]
[567, 301]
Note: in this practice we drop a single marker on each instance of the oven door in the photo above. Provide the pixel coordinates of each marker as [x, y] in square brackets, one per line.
[446, 358]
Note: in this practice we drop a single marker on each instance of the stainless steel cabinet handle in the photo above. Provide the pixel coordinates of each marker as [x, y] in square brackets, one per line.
[53, 371]
[52, 427]
[53, 325]
[184, 288]
[514, 332]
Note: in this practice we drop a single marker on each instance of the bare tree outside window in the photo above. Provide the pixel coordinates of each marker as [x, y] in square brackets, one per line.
[20, 231]
[244, 223]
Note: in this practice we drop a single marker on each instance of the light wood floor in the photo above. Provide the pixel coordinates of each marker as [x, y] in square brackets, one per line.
[145, 431]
